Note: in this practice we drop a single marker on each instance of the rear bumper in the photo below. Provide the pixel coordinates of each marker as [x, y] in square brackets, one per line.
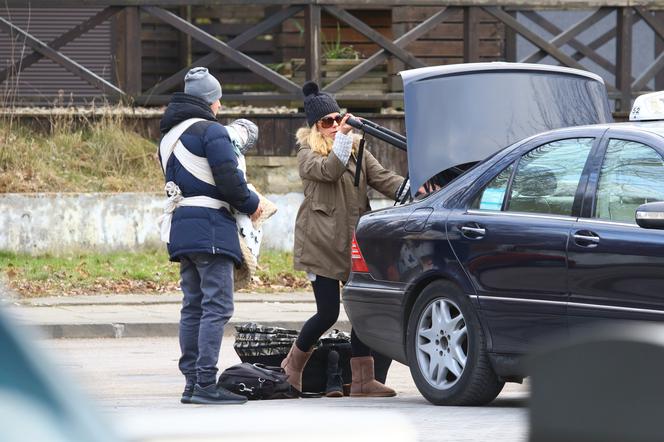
[376, 314]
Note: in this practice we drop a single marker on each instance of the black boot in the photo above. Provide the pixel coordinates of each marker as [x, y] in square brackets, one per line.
[334, 386]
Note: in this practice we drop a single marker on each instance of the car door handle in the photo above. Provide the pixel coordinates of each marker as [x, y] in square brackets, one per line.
[586, 238]
[473, 232]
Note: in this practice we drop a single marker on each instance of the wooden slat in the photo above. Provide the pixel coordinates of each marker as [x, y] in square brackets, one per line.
[375, 19]
[227, 29]
[223, 49]
[133, 57]
[268, 147]
[184, 43]
[264, 26]
[61, 41]
[454, 31]
[582, 49]
[598, 42]
[158, 52]
[379, 18]
[312, 43]
[510, 40]
[61, 59]
[533, 38]
[295, 40]
[386, 44]
[565, 37]
[659, 49]
[568, 4]
[282, 137]
[254, 46]
[246, 13]
[381, 55]
[624, 59]
[655, 68]
[419, 13]
[470, 38]
[655, 24]
[207, 60]
[453, 48]
[448, 51]
[160, 35]
[350, 35]
[649, 73]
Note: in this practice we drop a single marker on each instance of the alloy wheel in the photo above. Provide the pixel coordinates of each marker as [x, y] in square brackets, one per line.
[442, 343]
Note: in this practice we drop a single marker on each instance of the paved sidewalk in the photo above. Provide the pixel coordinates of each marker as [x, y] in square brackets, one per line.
[117, 316]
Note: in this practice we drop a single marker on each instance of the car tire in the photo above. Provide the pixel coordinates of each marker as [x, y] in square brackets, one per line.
[446, 349]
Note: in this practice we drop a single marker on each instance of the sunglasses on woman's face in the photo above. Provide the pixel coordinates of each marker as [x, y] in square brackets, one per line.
[328, 122]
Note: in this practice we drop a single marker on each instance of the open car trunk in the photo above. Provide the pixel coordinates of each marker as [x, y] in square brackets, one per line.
[457, 115]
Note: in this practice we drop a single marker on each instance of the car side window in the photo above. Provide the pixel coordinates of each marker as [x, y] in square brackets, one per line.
[632, 174]
[547, 177]
[493, 195]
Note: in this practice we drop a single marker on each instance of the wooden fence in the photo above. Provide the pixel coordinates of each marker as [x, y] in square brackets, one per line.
[255, 43]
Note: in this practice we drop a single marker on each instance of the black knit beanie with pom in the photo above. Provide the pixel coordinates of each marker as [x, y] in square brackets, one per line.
[317, 104]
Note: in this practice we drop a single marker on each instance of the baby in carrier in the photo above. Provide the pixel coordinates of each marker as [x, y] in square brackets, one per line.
[244, 134]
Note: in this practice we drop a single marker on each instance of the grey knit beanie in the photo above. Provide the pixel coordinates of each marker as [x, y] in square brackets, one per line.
[317, 104]
[243, 133]
[200, 83]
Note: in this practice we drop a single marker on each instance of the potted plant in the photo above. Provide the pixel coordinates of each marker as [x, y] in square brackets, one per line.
[337, 59]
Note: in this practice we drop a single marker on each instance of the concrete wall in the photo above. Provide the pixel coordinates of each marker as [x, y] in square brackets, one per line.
[59, 223]
[56, 223]
[64, 222]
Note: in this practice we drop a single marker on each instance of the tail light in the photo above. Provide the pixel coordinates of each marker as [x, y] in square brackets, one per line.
[358, 264]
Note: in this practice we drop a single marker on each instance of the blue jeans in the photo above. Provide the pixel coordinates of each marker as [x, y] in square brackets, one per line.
[207, 305]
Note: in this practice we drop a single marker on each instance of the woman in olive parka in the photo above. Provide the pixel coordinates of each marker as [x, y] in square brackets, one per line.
[324, 228]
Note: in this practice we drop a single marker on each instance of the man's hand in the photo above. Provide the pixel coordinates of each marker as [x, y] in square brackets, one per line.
[257, 213]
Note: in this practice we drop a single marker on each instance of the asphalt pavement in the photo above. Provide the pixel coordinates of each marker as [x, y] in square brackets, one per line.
[137, 316]
[138, 379]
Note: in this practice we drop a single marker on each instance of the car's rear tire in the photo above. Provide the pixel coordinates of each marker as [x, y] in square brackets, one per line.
[447, 349]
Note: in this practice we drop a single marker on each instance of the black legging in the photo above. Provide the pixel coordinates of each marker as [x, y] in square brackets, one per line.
[326, 292]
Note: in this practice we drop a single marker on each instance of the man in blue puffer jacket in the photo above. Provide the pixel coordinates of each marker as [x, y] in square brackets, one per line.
[203, 234]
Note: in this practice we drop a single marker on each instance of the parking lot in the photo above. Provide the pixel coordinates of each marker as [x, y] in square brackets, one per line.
[139, 376]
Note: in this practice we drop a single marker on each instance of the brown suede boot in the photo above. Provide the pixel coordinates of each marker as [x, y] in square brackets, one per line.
[364, 383]
[294, 364]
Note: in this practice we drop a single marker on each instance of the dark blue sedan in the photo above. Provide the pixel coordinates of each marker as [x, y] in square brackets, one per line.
[541, 238]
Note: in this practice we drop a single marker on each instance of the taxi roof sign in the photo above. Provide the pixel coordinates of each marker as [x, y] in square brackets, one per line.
[648, 107]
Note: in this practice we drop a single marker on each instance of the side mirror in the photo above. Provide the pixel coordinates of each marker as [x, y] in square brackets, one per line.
[650, 215]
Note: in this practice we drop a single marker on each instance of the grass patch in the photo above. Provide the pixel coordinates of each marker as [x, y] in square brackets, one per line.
[90, 273]
[147, 271]
[275, 273]
[77, 155]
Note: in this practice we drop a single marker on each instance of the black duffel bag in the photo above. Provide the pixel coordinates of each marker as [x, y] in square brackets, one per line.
[257, 381]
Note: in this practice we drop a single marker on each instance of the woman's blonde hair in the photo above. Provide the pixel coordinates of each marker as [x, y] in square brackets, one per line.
[319, 143]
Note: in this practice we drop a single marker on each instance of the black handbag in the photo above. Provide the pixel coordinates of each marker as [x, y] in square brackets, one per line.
[257, 344]
[257, 381]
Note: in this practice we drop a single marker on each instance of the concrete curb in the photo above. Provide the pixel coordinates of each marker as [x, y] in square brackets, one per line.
[170, 298]
[144, 330]
[143, 316]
